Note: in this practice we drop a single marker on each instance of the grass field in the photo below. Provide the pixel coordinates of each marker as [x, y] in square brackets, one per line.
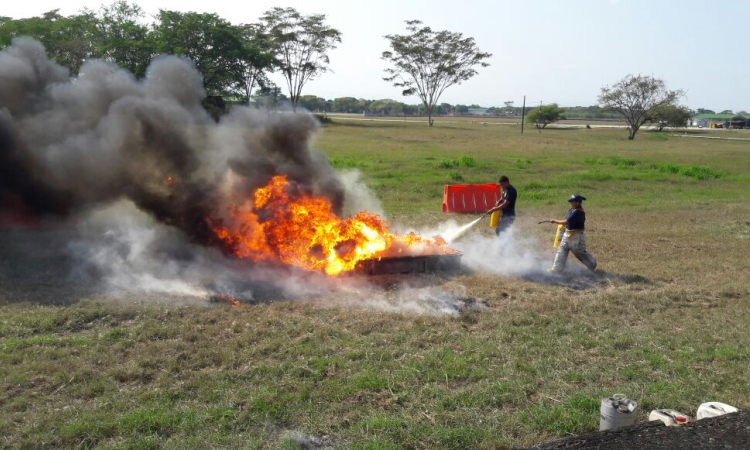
[464, 119]
[669, 217]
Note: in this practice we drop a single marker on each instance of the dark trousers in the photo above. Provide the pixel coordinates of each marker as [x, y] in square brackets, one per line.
[504, 223]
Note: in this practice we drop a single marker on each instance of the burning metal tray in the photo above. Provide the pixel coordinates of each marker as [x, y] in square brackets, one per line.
[411, 264]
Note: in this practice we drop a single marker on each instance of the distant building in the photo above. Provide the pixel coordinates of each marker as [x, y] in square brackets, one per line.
[477, 112]
[721, 121]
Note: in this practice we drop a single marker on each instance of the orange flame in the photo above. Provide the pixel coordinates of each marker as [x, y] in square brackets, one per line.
[224, 298]
[288, 225]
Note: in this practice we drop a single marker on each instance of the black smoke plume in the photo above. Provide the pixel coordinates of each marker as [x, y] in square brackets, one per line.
[72, 144]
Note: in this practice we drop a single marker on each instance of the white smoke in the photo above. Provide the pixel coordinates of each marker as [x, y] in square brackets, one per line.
[134, 256]
[131, 252]
[404, 297]
[509, 254]
[358, 196]
[514, 253]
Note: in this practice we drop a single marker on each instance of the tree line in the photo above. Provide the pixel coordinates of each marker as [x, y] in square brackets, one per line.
[235, 60]
[389, 107]
[543, 115]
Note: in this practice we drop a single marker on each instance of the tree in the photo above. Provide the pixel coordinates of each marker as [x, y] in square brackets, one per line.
[254, 60]
[68, 40]
[461, 109]
[670, 116]
[122, 39]
[212, 43]
[545, 115]
[704, 111]
[312, 103]
[345, 105]
[386, 107]
[362, 105]
[301, 45]
[270, 96]
[445, 108]
[426, 63]
[726, 111]
[635, 98]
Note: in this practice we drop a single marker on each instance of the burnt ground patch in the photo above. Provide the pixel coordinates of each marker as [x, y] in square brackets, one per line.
[724, 432]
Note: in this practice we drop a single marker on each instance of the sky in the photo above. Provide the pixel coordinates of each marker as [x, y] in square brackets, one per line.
[548, 50]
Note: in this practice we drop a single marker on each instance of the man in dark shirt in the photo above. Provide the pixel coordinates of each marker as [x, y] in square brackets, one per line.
[506, 204]
[573, 240]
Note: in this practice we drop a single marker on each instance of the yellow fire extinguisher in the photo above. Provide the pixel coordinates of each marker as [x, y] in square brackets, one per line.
[559, 235]
[495, 219]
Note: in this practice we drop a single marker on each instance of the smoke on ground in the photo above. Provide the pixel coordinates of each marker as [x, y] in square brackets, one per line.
[513, 253]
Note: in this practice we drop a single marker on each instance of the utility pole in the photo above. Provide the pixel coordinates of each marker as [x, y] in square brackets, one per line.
[523, 113]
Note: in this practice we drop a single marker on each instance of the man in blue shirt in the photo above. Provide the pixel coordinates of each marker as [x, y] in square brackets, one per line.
[506, 204]
[573, 240]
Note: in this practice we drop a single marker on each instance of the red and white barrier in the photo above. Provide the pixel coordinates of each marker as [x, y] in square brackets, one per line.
[470, 198]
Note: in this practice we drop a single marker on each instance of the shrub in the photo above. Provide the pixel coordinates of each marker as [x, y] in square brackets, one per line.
[623, 162]
[324, 120]
[594, 160]
[468, 161]
[523, 161]
[448, 163]
[340, 163]
[701, 172]
[665, 168]
[698, 172]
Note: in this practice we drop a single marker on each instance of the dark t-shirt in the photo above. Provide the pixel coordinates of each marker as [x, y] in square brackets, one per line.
[510, 195]
[576, 218]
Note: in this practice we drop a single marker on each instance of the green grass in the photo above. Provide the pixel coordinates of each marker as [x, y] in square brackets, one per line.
[699, 172]
[466, 161]
[561, 159]
[666, 217]
[346, 163]
[448, 163]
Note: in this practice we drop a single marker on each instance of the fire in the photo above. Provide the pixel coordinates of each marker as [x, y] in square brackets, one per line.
[287, 225]
[224, 298]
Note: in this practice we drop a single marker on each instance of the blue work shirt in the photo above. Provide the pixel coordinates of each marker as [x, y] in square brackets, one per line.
[509, 195]
[576, 218]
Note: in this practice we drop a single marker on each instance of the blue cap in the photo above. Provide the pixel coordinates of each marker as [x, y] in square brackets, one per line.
[576, 198]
